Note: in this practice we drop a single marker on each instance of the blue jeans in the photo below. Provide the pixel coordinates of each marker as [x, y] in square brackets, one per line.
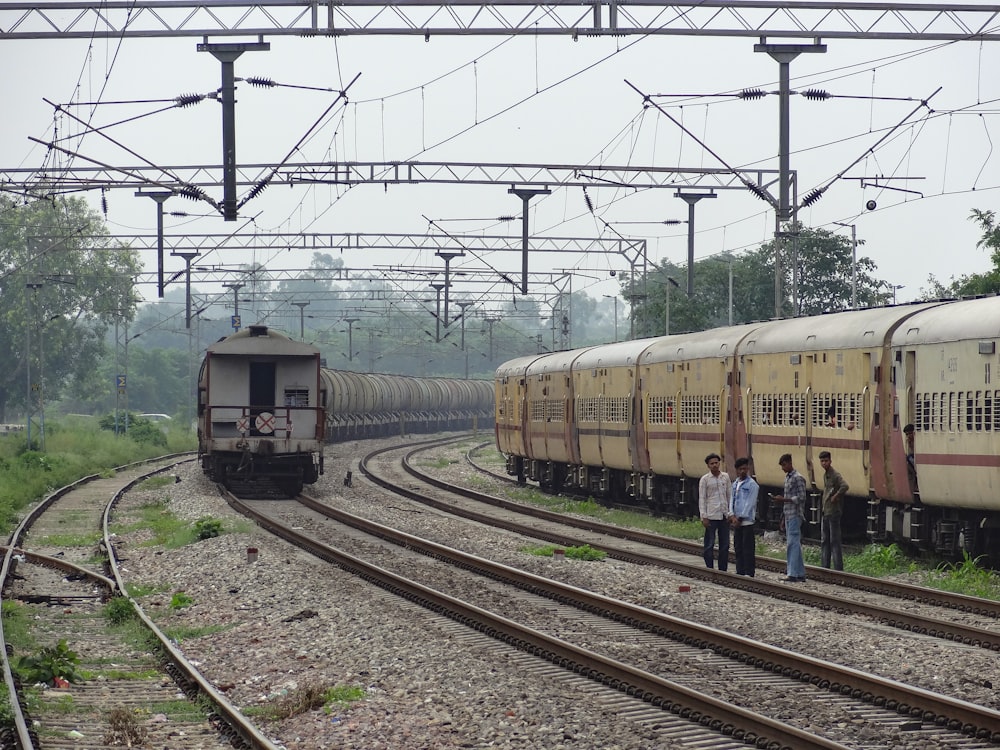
[722, 528]
[796, 568]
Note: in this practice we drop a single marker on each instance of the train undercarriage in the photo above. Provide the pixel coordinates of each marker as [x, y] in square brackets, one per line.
[248, 474]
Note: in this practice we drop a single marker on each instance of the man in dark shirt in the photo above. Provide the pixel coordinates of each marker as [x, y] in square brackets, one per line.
[834, 490]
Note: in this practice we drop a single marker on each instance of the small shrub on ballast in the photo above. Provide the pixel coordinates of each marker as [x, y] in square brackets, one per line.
[124, 727]
[207, 528]
[180, 600]
[119, 610]
[48, 664]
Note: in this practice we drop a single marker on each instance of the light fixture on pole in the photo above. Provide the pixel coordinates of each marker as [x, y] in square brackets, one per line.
[236, 302]
[691, 199]
[302, 318]
[464, 304]
[854, 262]
[350, 337]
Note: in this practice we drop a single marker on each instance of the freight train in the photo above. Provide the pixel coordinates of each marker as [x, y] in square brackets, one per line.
[267, 406]
[632, 422]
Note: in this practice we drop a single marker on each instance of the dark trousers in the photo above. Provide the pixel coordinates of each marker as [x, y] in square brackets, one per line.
[831, 550]
[720, 527]
[745, 546]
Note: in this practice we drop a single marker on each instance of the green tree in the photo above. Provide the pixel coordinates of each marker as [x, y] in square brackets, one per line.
[823, 284]
[977, 283]
[63, 283]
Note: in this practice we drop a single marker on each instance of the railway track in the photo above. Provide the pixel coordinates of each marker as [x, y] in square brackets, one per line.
[119, 686]
[880, 701]
[986, 608]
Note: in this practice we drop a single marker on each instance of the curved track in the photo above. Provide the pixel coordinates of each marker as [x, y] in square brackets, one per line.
[858, 688]
[57, 566]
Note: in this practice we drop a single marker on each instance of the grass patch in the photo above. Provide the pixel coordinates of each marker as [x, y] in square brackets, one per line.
[877, 561]
[16, 626]
[181, 634]
[966, 578]
[71, 540]
[583, 552]
[139, 590]
[71, 453]
[441, 462]
[307, 698]
[155, 483]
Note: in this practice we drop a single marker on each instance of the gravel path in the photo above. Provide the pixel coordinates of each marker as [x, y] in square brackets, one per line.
[262, 629]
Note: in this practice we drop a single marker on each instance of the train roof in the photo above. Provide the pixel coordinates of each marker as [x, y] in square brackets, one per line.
[558, 361]
[961, 319]
[262, 340]
[717, 342]
[621, 354]
[516, 366]
[853, 329]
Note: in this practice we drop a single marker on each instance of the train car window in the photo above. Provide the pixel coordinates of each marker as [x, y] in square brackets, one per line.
[895, 413]
[557, 411]
[537, 411]
[297, 397]
[877, 413]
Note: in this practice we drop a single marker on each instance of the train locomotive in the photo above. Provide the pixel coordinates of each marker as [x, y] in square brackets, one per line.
[632, 422]
[261, 411]
[267, 406]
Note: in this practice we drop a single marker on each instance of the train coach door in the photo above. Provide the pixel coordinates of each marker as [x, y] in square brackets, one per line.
[263, 381]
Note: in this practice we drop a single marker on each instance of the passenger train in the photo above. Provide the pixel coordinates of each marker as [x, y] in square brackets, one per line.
[632, 422]
[267, 406]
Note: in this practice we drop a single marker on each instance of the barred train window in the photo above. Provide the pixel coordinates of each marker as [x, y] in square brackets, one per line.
[617, 410]
[700, 410]
[586, 410]
[847, 406]
[786, 409]
[557, 411]
[537, 411]
[661, 410]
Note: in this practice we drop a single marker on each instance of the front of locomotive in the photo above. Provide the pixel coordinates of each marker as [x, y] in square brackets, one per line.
[261, 412]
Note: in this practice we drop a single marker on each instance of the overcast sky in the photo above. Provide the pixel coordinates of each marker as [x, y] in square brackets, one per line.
[545, 100]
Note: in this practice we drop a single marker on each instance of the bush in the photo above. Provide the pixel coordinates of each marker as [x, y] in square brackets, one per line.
[119, 610]
[207, 527]
[49, 663]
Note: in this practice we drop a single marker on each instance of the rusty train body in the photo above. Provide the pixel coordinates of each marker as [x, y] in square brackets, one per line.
[632, 422]
[267, 406]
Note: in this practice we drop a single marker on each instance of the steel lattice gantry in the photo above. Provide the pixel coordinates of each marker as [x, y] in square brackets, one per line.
[44, 19]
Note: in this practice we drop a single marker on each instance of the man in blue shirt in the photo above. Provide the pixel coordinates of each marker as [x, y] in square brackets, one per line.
[745, 490]
[793, 508]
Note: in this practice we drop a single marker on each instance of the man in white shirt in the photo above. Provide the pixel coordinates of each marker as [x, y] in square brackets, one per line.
[715, 495]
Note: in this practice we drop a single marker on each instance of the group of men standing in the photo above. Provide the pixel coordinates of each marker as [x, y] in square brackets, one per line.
[726, 504]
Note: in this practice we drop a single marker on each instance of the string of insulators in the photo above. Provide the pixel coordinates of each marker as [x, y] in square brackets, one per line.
[816, 94]
[257, 189]
[590, 203]
[752, 94]
[262, 82]
[506, 218]
[191, 192]
[758, 191]
[104, 203]
[813, 196]
[187, 100]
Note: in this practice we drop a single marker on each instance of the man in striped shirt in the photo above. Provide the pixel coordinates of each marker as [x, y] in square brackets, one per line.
[793, 507]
